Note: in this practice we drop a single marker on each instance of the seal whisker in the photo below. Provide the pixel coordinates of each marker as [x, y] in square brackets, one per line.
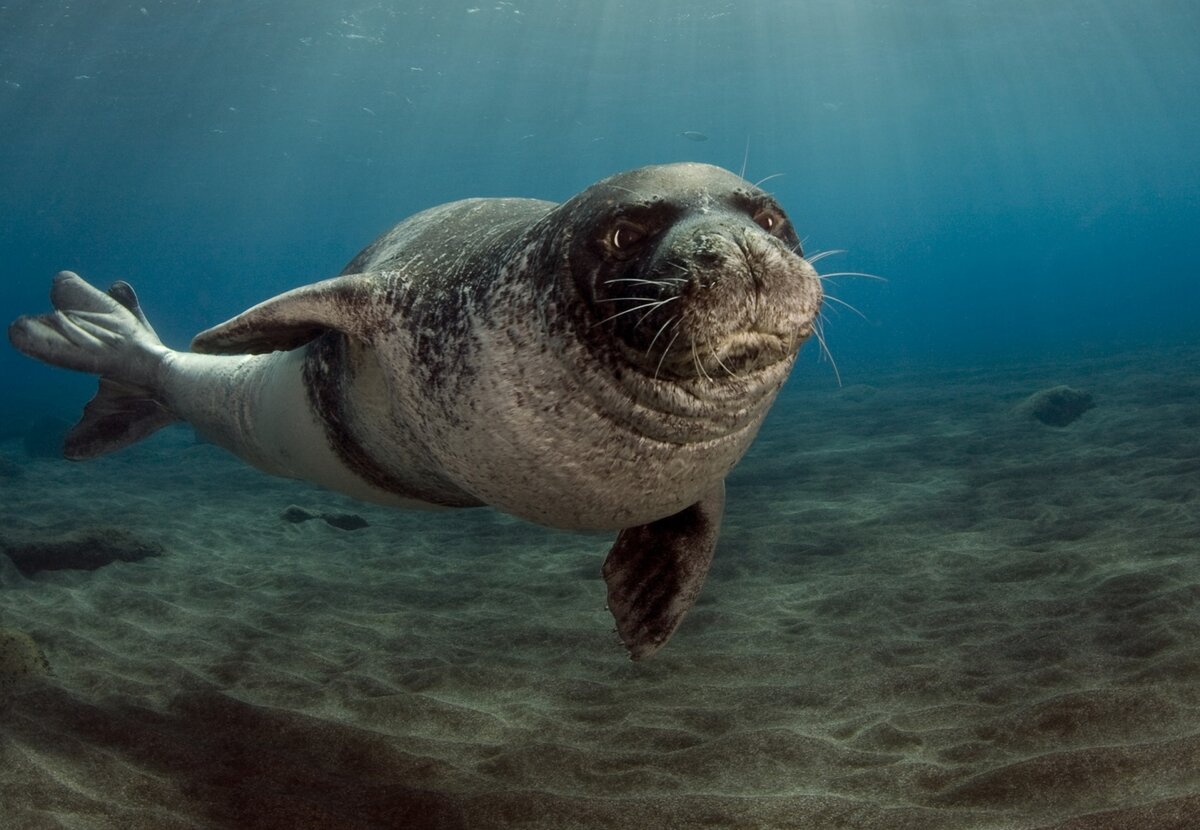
[632, 279]
[653, 307]
[820, 255]
[768, 178]
[845, 304]
[699, 364]
[660, 331]
[717, 358]
[852, 274]
[666, 351]
[818, 332]
[653, 304]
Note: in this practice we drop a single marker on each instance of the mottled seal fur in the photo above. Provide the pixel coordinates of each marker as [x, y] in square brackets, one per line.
[601, 364]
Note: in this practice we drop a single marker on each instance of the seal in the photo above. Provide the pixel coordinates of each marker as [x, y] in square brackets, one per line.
[597, 364]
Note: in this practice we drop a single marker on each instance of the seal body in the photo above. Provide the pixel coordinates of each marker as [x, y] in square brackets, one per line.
[600, 364]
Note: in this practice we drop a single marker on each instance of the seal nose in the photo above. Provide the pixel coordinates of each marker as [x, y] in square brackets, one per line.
[709, 250]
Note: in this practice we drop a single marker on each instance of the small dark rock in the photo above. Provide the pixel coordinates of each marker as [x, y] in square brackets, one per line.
[45, 437]
[20, 657]
[1059, 406]
[83, 550]
[345, 521]
[342, 521]
[296, 514]
[858, 393]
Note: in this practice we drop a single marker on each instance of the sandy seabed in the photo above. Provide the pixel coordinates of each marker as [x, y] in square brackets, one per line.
[926, 612]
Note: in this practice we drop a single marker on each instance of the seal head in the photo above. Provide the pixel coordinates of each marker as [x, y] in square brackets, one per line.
[696, 273]
[681, 293]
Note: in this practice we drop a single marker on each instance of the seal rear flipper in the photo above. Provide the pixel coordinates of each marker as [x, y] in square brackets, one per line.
[351, 304]
[105, 333]
[119, 415]
[655, 572]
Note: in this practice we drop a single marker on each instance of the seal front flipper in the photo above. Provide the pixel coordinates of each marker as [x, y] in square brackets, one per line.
[655, 572]
[355, 304]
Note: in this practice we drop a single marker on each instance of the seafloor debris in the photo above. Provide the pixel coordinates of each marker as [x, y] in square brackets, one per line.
[1057, 406]
[84, 550]
[20, 657]
[343, 521]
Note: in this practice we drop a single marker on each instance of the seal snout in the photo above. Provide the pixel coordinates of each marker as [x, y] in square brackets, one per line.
[710, 248]
[724, 300]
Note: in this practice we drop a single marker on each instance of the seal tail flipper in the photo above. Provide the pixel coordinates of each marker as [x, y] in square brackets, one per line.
[655, 571]
[119, 415]
[106, 334]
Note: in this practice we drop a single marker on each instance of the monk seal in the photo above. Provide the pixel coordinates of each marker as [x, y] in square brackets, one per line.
[597, 364]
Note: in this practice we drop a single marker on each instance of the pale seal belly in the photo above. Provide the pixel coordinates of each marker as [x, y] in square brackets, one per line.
[601, 363]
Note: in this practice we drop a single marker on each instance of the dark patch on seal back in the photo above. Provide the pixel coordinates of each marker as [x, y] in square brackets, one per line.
[329, 371]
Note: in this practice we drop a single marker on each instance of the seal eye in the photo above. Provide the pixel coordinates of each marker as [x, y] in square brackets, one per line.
[625, 236]
[769, 220]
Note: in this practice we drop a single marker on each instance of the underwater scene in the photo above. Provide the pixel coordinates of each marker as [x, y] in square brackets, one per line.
[773, 415]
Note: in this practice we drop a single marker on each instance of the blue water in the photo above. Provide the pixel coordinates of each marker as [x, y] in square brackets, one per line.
[926, 610]
[1023, 173]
